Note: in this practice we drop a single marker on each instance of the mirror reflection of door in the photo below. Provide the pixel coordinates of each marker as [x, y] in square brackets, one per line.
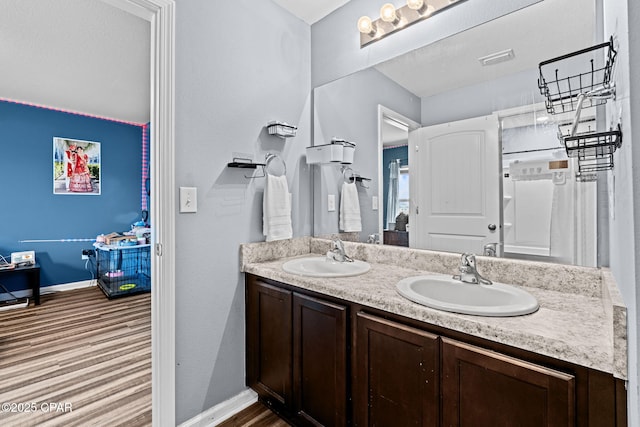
[455, 186]
[394, 175]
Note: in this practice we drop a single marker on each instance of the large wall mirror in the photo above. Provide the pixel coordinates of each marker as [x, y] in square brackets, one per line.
[459, 155]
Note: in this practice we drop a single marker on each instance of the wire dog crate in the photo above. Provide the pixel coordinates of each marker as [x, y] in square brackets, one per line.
[123, 270]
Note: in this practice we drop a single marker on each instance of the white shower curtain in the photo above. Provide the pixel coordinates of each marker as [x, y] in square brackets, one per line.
[392, 196]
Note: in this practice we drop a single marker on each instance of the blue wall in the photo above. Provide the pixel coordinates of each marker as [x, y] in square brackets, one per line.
[389, 155]
[30, 211]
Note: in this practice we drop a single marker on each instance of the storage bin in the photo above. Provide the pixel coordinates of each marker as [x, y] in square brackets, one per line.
[328, 153]
[281, 129]
[348, 151]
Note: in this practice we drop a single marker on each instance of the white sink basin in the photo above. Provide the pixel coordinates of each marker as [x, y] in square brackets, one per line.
[448, 294]
[321, 266]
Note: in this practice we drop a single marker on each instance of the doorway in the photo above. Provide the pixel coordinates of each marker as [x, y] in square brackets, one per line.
[161, 15]
[393, 140]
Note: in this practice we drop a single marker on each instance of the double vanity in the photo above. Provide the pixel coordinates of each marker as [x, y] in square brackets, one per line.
[370, 342]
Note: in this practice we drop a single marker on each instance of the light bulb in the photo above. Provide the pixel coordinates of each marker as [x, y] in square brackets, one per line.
[421, 7]
[415, 4]
[388, 13]
[365, 25]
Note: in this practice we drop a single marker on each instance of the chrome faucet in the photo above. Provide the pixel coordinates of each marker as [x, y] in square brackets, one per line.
[468, 271]
[374, 238]
[490, 249]
[337, 252]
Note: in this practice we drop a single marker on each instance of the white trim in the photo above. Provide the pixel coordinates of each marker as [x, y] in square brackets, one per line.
[223, 411]
[67, 286]
[161, 15]
[28, 293]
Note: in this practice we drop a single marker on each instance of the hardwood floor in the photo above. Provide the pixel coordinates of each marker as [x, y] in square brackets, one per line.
[256, 415]
[77, 359]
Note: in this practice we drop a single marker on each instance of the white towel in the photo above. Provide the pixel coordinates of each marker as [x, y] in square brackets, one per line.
[276, 209]
[350, 208]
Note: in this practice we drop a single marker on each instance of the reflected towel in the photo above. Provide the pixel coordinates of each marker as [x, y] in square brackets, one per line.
[276, 209]
[350, 208]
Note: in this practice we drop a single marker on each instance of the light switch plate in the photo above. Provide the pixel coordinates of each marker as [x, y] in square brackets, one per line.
[188, 199]
[331, 202]
[374, 203]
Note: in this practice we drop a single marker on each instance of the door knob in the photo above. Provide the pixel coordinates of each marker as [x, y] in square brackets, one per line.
[492, 227]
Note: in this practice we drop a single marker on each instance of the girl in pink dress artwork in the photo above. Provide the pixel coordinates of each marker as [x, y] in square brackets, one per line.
[80, 178]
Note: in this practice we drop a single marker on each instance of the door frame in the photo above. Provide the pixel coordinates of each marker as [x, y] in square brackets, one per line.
[161, 17]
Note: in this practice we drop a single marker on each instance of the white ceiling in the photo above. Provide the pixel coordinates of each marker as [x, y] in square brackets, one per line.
[90, 57]
[77, 55]
[311, 11]
[541, 31]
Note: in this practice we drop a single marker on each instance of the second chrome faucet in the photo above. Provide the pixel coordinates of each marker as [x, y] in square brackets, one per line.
[468, 271]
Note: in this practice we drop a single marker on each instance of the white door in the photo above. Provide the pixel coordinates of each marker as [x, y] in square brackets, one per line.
[455, 171]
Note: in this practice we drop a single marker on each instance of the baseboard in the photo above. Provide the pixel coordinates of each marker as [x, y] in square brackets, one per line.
[27, 293]
[223, 411]
[68, 286]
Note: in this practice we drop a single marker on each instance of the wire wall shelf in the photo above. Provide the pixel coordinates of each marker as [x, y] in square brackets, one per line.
[594, 150]
[566, 91]
[562, 89]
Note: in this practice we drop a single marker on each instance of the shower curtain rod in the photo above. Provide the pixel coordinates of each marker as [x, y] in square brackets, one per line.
[533, 151]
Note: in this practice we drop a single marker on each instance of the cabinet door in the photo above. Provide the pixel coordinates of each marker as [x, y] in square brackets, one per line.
[397, 374]
[483, 388]
[320, 360]
[269, 347]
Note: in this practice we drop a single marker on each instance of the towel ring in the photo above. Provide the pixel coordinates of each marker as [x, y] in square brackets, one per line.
[270, 157]
[348, 179]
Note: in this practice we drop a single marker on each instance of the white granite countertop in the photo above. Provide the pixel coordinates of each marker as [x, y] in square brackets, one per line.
[581, 319]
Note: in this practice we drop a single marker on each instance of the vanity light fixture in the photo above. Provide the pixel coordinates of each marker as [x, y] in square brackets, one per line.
[392, 19]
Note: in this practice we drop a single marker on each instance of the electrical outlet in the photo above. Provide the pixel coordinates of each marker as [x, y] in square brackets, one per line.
[86, 253]
[331, 202]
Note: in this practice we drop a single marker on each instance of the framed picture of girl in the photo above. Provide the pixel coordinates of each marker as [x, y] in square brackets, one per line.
[76, 167]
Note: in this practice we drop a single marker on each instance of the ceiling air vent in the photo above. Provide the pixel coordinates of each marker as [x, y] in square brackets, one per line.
[494, 58]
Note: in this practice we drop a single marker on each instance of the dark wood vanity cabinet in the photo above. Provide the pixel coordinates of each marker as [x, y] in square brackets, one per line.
[397, 374]
[484, 388]
[322, 361]
[297, 354]
[270, 342]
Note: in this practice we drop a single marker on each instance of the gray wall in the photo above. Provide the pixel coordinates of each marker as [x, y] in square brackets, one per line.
[337, 38]
[239, 64]
[234, 75]
[482, 99]
[620, 20]
[348, 108]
